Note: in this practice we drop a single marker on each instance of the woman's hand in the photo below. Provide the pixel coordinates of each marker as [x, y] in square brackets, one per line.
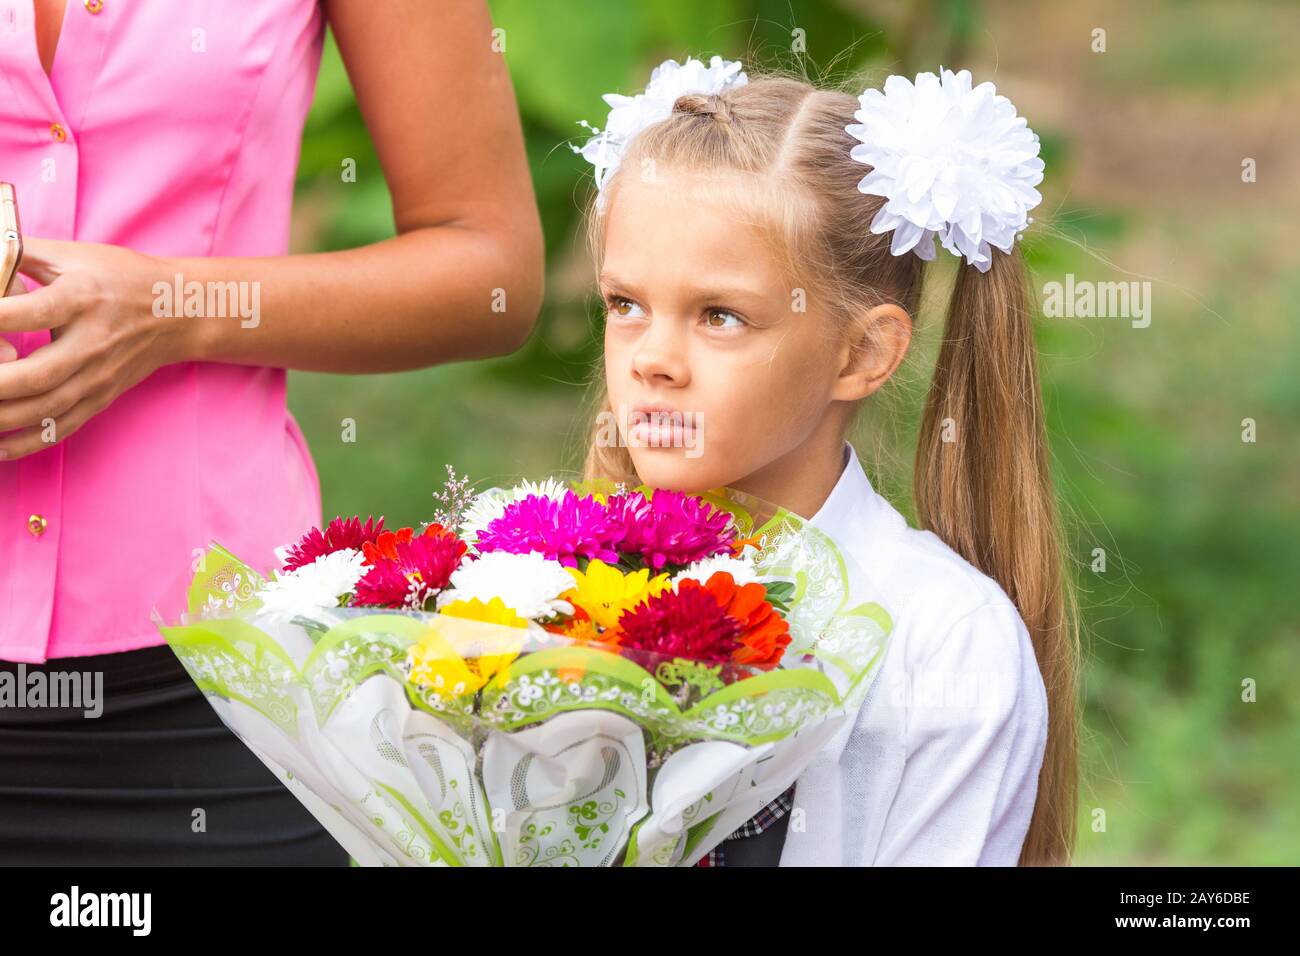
[97, 302]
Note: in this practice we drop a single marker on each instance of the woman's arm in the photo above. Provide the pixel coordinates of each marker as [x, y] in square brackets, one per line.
[461, 280]
[440, 108]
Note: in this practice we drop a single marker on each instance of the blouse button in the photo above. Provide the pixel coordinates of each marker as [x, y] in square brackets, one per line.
[58, 132]
[36, 525]
[94, 6]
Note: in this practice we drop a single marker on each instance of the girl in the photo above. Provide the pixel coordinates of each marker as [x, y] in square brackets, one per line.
[761, 258]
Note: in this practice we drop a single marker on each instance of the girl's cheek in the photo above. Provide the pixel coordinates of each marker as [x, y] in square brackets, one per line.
[618, 363]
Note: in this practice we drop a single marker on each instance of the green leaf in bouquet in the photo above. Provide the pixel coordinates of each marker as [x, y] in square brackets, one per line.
[780, 594]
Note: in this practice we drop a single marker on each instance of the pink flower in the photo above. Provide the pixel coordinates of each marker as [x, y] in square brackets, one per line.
[338, 535]
[670, 528]
[563, 529]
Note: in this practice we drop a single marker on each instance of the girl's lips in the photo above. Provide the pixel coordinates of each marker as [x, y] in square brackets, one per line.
[661, 432]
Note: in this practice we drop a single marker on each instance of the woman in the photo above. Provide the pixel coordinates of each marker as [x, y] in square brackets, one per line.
[154, 147]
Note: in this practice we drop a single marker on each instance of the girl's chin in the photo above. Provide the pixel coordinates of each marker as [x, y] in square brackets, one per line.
[670, 469]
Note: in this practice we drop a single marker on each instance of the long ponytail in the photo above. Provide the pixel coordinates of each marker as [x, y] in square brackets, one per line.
[983, 484]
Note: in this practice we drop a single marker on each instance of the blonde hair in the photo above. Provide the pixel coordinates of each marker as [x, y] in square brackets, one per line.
[987, 492]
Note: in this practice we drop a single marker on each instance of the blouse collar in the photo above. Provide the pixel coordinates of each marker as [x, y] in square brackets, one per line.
[852, 501]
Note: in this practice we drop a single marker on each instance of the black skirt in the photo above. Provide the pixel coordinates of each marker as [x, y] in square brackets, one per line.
[156, 779]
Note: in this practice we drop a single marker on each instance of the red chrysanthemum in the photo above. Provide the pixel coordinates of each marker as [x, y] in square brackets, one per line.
[687, 623]
[408, 569]
[339, 534]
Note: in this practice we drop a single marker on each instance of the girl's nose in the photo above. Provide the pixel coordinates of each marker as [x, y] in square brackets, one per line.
[660, 359]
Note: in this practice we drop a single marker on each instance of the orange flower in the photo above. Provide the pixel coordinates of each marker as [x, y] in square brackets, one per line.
[764, 633]
[740, 543]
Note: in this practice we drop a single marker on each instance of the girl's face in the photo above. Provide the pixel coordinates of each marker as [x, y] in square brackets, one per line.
[719, 367]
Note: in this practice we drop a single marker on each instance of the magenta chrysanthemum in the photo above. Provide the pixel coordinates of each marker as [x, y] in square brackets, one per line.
[687, 623]
[563, 529]
[415, 571]
[339, 534]
[670, 527]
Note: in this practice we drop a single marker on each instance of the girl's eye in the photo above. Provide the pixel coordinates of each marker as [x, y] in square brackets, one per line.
[722, 319]
[624, 307]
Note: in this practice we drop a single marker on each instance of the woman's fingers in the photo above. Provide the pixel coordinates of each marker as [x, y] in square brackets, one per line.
[45, 308]
[34, 439]
[42, 258]
[41, 371]
[39, 409]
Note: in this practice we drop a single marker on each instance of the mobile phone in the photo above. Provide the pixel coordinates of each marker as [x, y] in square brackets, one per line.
[11, 237]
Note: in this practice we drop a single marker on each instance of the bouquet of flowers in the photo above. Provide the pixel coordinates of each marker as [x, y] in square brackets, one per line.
[552, 674]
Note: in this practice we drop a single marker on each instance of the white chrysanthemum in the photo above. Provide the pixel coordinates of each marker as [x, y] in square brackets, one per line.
[305, 590]
[489, 505]
[953, 161]
[741, 569]
[529, 583]
[628, 115]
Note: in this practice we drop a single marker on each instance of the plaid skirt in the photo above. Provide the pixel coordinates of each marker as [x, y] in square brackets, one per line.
[759, 840]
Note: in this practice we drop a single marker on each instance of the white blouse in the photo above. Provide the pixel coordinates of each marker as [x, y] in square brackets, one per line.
[941, 765]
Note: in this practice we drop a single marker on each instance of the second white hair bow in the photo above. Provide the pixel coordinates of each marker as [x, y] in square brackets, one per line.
[628, 115]
[952, 161]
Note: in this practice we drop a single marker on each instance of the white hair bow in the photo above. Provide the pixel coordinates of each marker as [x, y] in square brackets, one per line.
[628, 115]
[952, 161]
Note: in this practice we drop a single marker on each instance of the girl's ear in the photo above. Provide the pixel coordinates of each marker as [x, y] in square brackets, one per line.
[878, 340]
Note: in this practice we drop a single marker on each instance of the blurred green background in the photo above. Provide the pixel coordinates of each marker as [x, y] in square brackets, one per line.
[1144, 145]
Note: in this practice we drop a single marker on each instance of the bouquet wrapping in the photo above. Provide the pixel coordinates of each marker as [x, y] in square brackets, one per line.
[553, 674]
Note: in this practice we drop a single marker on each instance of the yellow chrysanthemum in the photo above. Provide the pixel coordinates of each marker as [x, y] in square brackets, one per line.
[605, 592]
[459, 659]
[494, 612]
